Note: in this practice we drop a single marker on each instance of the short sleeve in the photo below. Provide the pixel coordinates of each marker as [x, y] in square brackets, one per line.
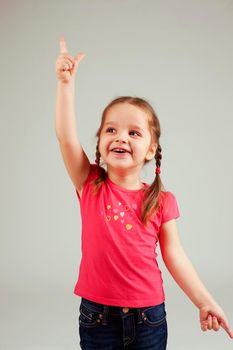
[170, 208]
[93, 173]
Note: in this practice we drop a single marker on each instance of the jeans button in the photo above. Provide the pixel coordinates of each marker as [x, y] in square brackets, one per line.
[125, 310]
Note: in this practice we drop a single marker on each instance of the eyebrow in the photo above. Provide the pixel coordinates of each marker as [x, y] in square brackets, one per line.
[132, 126]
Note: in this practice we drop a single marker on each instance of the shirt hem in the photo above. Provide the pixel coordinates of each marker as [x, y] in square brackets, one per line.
[122, 302]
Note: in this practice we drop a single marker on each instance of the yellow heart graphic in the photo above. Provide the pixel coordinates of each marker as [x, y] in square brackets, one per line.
[116, 217]
[108, 206]
[128, 226]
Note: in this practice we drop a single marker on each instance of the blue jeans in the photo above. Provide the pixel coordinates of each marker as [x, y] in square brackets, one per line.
[106, 327]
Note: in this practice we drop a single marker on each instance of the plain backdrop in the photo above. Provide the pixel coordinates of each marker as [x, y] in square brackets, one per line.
[176, 54]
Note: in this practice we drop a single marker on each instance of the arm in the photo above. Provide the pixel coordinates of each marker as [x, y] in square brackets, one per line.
[75, 159]
[65, 124]
[187, 278]
[180, 266]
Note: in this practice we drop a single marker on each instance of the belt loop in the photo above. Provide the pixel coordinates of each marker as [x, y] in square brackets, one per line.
[139, 316]
[105, 315]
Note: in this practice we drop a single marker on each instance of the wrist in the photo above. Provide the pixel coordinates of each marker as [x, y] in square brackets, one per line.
[65, 89]
[66, 85]
[207, 303]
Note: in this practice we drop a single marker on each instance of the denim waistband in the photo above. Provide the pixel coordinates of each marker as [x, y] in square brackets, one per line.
[116, 310]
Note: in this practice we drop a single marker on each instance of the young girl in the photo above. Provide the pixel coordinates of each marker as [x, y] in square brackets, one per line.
[123, 219]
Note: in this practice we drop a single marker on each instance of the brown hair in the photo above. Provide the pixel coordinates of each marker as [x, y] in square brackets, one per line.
[151, 193]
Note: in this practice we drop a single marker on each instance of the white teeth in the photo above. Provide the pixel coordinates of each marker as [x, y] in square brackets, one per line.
[119, 150]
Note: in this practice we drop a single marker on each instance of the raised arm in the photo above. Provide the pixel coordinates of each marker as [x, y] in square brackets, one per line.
[75, 159]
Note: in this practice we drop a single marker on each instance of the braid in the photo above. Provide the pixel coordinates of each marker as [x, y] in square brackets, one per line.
[97, 154]
[152, 194]
[158, 156]
[102, 173]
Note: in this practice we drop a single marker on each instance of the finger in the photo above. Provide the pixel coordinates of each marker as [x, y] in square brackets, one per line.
[79, 57]
[67, 56]
[216, 325]
[65, 60]
[64, 66]
[227, 328]
[210, 323]
[204, 326]
[63, 48]
[68, 63]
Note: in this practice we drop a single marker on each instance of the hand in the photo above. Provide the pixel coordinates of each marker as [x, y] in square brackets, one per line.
[66, 65]
[212, 317]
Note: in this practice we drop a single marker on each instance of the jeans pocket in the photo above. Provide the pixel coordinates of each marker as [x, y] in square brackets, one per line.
[88, 318]
[154, 316]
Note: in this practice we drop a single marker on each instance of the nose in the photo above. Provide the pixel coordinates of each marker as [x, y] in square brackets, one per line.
[121, 139]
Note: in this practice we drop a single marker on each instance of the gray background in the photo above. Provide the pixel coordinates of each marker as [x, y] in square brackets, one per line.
[176, 54]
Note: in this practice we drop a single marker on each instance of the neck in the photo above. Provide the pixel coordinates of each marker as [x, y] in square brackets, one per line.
[125, 178]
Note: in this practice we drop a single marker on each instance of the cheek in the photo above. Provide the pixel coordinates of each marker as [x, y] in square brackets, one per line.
[140, 150]
[139, 147]
[104, 144]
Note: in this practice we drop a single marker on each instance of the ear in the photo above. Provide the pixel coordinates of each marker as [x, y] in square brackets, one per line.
[151, 152]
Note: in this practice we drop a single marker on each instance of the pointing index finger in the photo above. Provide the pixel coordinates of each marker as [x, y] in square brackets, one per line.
[63, 48]
[227, 328]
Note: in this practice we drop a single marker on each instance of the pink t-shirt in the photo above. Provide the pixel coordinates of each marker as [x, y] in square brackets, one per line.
[118, 265]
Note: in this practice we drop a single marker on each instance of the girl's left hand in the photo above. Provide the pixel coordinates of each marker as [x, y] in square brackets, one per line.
[212, 317]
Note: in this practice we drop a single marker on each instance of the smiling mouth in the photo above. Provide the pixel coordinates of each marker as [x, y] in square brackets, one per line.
[120, 150]
[120, 155]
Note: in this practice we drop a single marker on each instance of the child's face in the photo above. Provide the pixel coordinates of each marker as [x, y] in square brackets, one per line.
[126, 126]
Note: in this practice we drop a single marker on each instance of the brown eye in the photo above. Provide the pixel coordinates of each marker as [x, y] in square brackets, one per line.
[137, 133]
[109, 129]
